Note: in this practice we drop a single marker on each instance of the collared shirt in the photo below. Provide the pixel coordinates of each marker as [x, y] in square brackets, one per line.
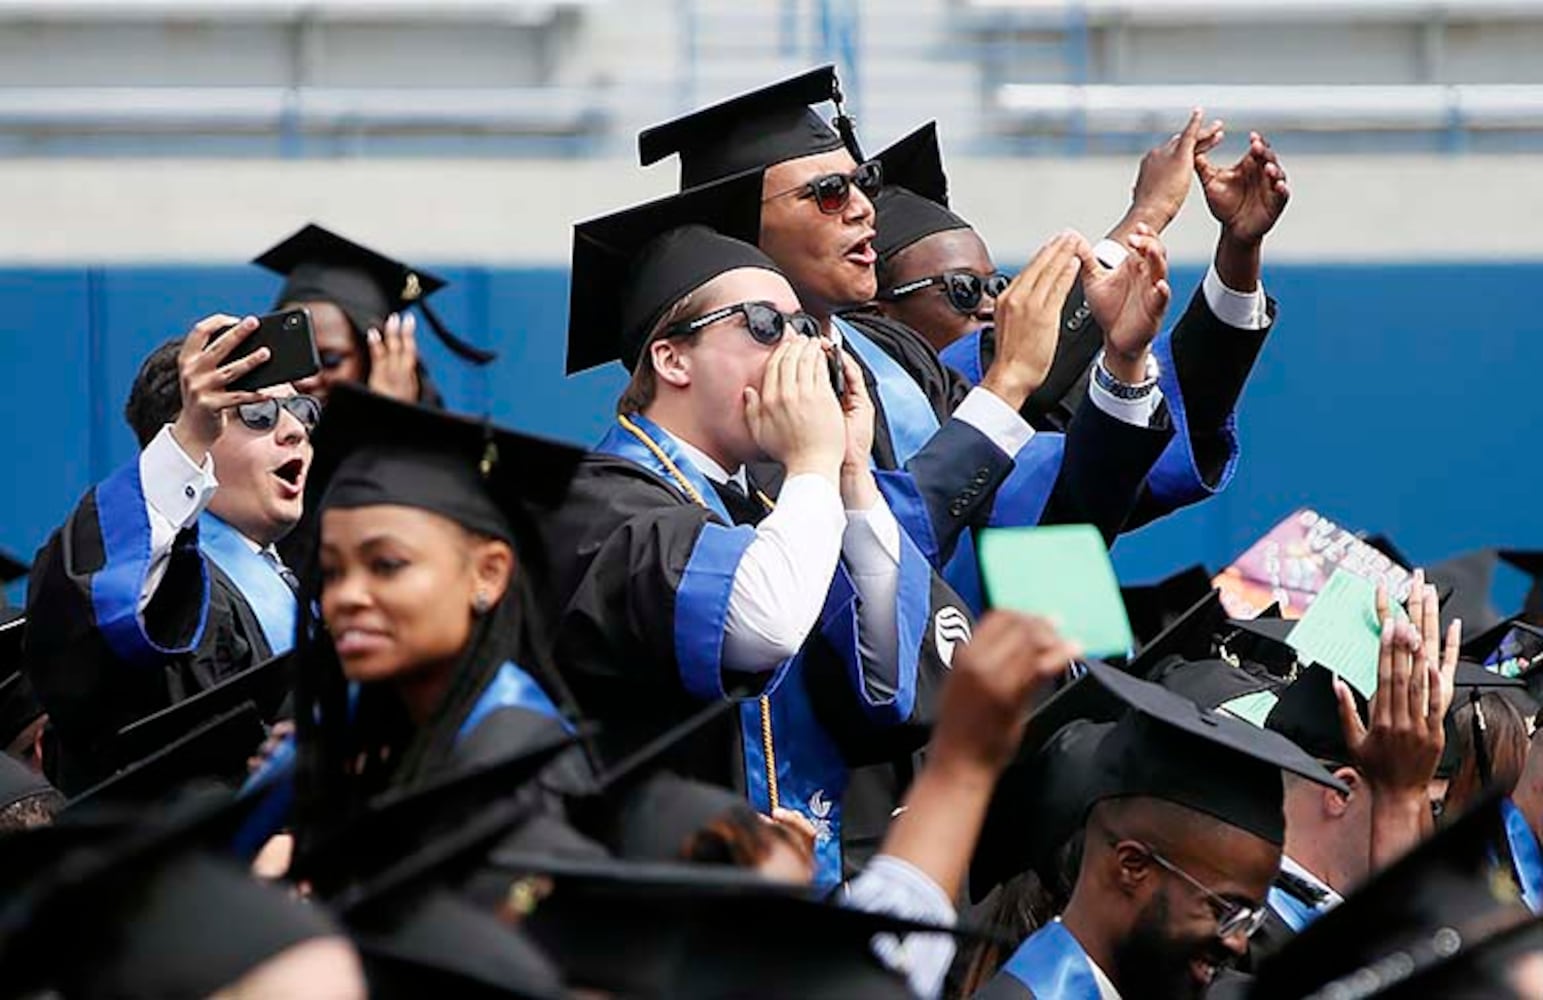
[1331, 898]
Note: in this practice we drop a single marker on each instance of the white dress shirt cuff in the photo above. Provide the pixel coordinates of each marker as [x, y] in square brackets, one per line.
[1131, 411]
[175, 488]
[871, 543]
[1244, 310]
[988, 413]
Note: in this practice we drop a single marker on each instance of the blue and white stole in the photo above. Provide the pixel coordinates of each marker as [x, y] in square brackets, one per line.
[258, 580]
[1053, 965]
[1526, 856]
[790, 760]
[1293, 912]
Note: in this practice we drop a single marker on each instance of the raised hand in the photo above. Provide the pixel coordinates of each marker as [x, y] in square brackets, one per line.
[394, 358]
[794, 417]
[203, 378]
[1128, 301]
[1163, 179]
[1248, 197]
[1028, 320]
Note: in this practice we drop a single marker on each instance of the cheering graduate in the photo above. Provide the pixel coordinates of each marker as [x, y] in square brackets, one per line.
[359, 301]
[677, 580]
[937, 276]
[165, 579]
[971, 454]
[423, 590]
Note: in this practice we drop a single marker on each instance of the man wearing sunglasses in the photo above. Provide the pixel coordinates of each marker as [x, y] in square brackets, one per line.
[165, 581]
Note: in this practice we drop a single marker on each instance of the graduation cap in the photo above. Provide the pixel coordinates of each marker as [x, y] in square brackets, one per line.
[754, 130]
[1307, 713]
[1452, 888]
[699, 931]
[1530, 562]
[213, 751]
[1189, 636]
[371, 449]
[263, 687]
[138, 907]
[914, 201]
[318, 265]
[629, 267]
[11, 570]
[1153, 607]
[19, 705]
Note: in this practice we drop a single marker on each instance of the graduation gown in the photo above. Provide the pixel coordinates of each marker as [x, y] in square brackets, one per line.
[1049, 965]
[642, 558]
[962, 480]
[97, 665]
[1203, 366]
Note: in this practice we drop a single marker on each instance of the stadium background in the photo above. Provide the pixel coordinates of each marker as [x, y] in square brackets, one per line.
[149, 147]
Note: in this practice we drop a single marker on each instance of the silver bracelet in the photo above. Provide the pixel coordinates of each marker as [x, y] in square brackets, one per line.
[1120, 389]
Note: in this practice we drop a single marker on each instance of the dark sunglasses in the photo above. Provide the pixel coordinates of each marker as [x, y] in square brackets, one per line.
[963, 289]
[832, 192]
[331, 360]
[766, 324]
[264, 416]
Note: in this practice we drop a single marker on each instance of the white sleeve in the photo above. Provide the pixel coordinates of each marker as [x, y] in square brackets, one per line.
[871, 548]
[1131, 411]
[898, 888]
[176, 492]
[782, 579]
[1244, 310]
[988, 413]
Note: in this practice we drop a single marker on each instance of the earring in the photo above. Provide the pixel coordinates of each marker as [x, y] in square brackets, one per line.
[480, 604]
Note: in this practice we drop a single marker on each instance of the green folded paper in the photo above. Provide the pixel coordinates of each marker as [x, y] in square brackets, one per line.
[1341, 631]
[1061, 573]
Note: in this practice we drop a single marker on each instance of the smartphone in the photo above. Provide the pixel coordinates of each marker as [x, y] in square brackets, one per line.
[838, 377]
[291, 348]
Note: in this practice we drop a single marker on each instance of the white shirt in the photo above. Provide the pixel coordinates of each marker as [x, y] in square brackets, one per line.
[900, 889]
[176, 492]
[782, 579]
[1331, 898]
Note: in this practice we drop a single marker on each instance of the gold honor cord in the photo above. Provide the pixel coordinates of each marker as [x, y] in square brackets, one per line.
[691, 491]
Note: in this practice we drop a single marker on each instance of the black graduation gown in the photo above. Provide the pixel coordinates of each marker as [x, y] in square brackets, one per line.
[1213, 362]
[618, 552]
[198, 630]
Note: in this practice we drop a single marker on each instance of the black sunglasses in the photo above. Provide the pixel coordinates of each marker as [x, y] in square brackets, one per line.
[264, 416]
[331, 360]
[765, 322]
[963, 289]
[832, 192]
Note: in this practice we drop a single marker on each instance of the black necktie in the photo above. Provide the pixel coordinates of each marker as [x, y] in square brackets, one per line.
[741, 508]
[285, 573]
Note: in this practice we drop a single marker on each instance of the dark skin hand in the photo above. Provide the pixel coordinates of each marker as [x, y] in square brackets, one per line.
[1247, 198]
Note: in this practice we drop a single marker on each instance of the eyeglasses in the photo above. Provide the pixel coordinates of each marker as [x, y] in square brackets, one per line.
[963, 289]
[1231, 916]
[832, 192]
[766, 324]
[264, 416]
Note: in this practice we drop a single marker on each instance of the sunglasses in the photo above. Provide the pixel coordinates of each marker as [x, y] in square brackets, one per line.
[765, 323]
[832, 192]
[963, 289]
[1231, 916]
[264, 416]
[331, 360]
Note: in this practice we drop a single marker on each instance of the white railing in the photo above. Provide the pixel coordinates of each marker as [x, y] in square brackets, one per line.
[1100, 12]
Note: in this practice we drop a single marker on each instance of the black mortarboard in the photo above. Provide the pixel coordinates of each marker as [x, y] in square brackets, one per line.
[1152, 607]
[215, 750]
[1470, 579]
[264, 687]
[11, 570]
[1307, 714]
[1530, 562]
[630, 267]
[1189, 636]
[1212, 683]
[18, 781]
[660, 816]
[1454, 882]
[441, 945]
[1169, 748]
[320, 266]
[914, 201]
[134, 907]
[1038, 805]
[371, 450]
[699, 931]
[754, 130]
[19, 705]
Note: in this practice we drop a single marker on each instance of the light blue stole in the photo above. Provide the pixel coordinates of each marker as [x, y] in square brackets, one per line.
[258, 580]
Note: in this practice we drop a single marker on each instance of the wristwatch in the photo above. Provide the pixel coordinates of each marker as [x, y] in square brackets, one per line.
[1120, 389]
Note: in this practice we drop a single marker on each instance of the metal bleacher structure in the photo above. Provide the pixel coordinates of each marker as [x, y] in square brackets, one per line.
[340, 78]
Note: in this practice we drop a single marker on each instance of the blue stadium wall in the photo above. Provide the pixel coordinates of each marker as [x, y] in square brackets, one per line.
[1394, 398]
